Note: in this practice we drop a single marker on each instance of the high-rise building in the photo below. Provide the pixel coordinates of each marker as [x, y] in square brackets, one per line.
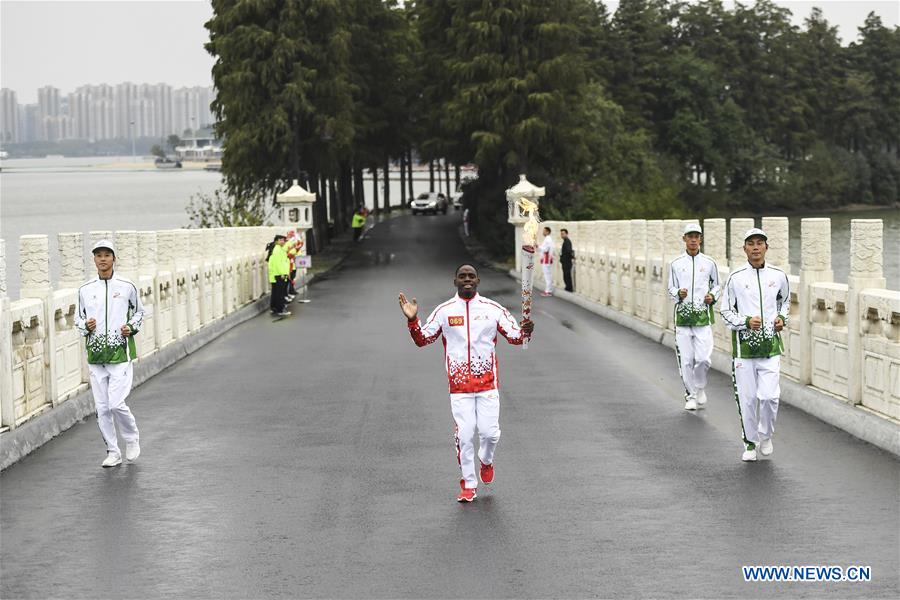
[31, 122]
[126, 100]
[80, 113]
[49, 111]
[9, 117]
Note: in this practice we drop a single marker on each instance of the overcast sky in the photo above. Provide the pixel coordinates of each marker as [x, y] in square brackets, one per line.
[67, 43]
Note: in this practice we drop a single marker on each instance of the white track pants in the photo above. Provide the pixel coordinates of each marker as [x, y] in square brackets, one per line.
[548, 277]
[757, 390]
[480, 411]
[693, 347]
[111, 384]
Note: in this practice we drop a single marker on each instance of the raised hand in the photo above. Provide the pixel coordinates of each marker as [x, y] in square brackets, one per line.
[409, 308]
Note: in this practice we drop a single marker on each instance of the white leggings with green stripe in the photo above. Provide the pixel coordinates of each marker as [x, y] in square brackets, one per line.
[757, 390]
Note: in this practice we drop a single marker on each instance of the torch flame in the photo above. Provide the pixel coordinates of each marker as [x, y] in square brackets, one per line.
[529, 231]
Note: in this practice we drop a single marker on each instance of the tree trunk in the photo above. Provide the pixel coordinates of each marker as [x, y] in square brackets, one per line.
[409, 167]
[359, 192]
[334, 203]
[374, 172]
[447, 176]
[458, 175]
[345, 198]
[403, 179]
[387, 184]
[431, 175]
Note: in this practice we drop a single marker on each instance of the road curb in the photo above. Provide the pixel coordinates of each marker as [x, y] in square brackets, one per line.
[856, 421]
[25, 439]
[31, 435]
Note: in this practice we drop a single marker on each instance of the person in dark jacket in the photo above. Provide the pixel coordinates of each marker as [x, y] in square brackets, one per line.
[566, 256]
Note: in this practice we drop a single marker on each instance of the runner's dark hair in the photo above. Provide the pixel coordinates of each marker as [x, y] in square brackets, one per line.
[466, 264]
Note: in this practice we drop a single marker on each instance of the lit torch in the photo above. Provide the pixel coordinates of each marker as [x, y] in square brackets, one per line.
[529, 210]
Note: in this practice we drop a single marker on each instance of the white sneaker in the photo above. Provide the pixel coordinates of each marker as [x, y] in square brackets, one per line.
[132, 451]
[112, 460]
[690, 403]
[766, 448]
[284, 313]
[749, 455]
[701, 398]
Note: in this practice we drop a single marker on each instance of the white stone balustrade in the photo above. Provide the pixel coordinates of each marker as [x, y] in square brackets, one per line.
[182, 277]
[843, 339]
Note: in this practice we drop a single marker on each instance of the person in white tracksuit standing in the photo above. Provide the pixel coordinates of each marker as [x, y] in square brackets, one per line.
[109, 314]
[755, 305]
[694, 286]
[469, 325]
[546, 249]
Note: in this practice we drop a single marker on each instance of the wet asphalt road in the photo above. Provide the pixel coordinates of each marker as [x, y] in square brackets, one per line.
[313, 457]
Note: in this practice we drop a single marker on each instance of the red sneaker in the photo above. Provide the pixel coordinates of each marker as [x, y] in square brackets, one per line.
[465, 494]
[487, 473]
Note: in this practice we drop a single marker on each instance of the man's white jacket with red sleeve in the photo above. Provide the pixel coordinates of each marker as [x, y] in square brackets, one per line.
[469, 329]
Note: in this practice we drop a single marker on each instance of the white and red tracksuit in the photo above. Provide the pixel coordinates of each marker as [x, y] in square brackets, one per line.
[546, 248]
[469, 329]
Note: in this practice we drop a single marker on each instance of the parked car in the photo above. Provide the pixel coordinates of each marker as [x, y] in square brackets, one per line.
[456, 199]
[432, 202]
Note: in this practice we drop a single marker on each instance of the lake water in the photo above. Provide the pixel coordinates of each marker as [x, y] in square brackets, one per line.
[55, 195]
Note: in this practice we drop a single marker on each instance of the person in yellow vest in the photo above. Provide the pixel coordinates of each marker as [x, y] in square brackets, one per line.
[279, 271]
[358, 223]
[292, 247]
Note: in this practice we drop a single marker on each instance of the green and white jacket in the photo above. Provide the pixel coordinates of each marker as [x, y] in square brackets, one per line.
[699, 276]
[752, 292]
[113, 302]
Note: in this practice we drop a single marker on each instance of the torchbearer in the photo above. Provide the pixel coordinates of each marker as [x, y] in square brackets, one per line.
[110, 313]
[755, 304]
[469, 325]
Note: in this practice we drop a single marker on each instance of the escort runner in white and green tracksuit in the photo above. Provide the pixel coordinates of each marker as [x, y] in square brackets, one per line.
[698, 275]
[751, 292]
[112, 302]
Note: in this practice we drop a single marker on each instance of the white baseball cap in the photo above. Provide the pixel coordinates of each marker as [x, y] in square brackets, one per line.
[692, 228]
[104, 244]
[755, 231]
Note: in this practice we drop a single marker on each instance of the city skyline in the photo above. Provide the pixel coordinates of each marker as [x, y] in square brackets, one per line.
[104, 111]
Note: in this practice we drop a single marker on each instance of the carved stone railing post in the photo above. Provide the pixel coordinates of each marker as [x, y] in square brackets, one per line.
[778, 254]
[815, 254]
[673, 245]
[738, 228]
[127, 256]
[7, 410]
[656, 269]
[71, 260]
[866, 260]
[165, 287]
[603, 270]
[181, 259]
[219, 302]
[715, 244]
[146, 283]
[638, 239]
[34, 270]
[195, 289]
